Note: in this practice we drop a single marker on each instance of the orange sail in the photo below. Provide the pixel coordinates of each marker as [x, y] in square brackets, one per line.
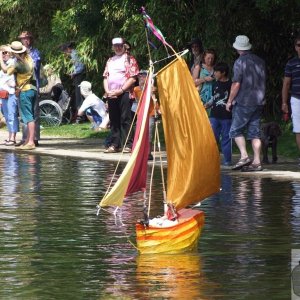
[192, 152]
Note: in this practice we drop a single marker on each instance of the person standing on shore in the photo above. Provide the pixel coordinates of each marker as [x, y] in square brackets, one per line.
[291, 83]
[120, 75]
[26, 39]
[23, 68]
[247, 98]
[78, 73]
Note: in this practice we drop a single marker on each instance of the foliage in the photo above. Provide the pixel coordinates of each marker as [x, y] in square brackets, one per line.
[270, 24]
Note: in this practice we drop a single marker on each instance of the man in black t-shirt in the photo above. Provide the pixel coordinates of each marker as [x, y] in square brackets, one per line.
[220, 118]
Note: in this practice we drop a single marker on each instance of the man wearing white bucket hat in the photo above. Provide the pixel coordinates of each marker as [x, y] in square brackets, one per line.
[247, 100]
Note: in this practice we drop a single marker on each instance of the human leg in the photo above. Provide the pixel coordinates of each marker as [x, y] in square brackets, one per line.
[125, 114]
[226, 143]
[115, 125]
[295, 107]
[254, 134]
[4, 109]
[13, 115]
[27, 102]
[216, 127]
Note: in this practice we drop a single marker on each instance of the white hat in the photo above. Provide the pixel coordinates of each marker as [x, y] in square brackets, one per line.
[117, 41]
[85, 87]
[242, 43]
[17, 47]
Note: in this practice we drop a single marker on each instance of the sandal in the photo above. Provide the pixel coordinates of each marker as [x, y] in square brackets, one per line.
[10, 143]
[241, 163]
[252, 168]
[4, 142]
[111, 149]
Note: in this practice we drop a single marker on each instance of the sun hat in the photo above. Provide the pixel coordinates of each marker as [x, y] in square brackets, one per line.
[5, 48]
[118, 40]
[17, 47]
[85, 87]
[242, 43]
[25, 34]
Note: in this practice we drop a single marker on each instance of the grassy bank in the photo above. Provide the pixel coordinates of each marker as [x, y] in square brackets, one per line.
[76, 131]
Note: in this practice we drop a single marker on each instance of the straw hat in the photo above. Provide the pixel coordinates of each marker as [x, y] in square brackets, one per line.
[5, 48]
[242, 43]
[17, 47]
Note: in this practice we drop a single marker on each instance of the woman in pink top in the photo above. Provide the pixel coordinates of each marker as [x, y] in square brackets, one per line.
[119, 77]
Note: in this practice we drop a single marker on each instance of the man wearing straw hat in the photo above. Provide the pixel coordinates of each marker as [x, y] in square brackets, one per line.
[23, 68]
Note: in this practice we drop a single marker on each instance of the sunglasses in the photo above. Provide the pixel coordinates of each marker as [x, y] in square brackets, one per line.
[5, 52]
[298, 45]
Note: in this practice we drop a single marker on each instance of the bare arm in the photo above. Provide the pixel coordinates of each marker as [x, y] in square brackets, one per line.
[235, 87]
[285, 93]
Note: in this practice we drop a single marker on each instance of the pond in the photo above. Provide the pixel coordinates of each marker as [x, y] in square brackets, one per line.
[53, 246]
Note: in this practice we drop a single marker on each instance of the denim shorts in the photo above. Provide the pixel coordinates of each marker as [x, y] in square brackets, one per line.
[246, 118]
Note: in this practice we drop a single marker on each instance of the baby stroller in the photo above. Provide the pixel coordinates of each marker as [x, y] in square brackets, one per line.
[57, 110]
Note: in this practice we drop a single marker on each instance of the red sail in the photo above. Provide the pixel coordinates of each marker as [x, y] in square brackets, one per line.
[139, 176]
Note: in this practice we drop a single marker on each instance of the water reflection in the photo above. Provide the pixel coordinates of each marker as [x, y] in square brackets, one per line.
[170, 277]
[54, 247]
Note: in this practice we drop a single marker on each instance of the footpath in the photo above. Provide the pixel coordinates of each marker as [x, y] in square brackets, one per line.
[93, 149]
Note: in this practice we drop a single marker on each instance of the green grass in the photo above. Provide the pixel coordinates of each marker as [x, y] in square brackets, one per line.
[76, 131]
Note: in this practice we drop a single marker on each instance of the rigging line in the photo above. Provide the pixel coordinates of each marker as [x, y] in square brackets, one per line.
[181, 53]
[153, 164]
[161, 166]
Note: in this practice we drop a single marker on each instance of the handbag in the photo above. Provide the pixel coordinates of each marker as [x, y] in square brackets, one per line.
[4, 94]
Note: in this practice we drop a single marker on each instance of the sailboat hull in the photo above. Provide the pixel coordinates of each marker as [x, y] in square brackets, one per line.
[180, 238]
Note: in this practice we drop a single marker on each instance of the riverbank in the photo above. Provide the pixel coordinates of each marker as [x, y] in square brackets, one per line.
[93, 149]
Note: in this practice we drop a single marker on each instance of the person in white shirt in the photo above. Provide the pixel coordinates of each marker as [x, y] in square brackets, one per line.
[93, 107]
[9, 105]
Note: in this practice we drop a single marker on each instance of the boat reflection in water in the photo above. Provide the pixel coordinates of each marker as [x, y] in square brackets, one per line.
[168, 276]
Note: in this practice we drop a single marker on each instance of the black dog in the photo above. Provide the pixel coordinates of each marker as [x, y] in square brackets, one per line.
[269, 135]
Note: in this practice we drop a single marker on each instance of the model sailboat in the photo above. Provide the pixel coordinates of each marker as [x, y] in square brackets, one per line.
[193, 163]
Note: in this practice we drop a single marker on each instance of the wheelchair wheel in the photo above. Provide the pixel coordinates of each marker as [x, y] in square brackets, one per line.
[50, 113]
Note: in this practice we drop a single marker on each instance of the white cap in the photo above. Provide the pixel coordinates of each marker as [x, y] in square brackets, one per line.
[85, 87]
[242, 43]
[117, 40]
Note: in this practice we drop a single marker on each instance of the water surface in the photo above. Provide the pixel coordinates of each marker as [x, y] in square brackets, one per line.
[53, 246]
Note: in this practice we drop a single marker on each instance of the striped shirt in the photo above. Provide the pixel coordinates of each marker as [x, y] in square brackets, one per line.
[292, 70]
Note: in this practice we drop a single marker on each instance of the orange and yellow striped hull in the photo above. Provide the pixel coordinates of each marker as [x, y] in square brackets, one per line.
[180, 238]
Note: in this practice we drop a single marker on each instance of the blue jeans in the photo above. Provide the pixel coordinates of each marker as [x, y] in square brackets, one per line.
[10, 112]
[221, 128]
[96, 118]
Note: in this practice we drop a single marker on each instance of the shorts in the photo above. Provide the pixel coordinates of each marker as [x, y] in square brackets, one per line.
[246, 117]
[295, 107]
[27, 100]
